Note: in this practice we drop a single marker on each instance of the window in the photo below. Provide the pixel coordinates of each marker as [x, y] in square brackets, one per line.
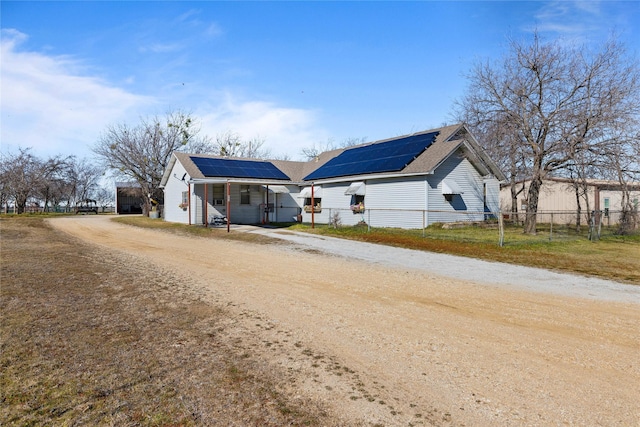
[184, 204]
[245, 195]
[317, 197]
[357, 203]
[218, 194]
[606, 207]
[317, 204]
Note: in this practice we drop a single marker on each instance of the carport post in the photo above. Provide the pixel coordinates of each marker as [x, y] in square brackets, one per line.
[228, 206]
[313, 208]
[206, 205]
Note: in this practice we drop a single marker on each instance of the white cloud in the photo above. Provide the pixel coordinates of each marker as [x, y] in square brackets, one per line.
[48, 104]
[571, 20]
[286, 131]
[54, 105]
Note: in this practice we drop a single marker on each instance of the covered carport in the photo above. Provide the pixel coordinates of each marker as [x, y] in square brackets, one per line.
[240, 201]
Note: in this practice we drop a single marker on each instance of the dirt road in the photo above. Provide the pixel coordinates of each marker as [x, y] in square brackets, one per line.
[392, 346]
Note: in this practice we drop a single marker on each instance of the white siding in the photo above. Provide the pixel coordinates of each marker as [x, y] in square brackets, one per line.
[468, 206]
[286, 206]
[397, 202]
[245, 214]
[173, 196]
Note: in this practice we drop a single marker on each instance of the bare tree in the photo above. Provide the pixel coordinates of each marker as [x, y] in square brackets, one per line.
[83, 180]
[105, 196]
[21, 176]
[547, 103]
[231, 144]
[141, 153]
[622, 163]
[330, 144]
[53, 178]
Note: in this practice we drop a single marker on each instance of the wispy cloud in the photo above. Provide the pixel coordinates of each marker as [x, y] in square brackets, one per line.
[571, 20]
[286, 131]
[50, 105]
[213, 30]
[161, 47]
[192, 19]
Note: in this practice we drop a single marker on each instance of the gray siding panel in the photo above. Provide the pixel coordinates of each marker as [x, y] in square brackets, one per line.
[397, 202]
[468, 206]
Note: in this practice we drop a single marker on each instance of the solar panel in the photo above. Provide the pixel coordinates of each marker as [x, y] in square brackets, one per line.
[227, 168]
[389, 156]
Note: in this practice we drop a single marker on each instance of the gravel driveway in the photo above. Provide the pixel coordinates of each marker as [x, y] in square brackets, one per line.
[462, 268]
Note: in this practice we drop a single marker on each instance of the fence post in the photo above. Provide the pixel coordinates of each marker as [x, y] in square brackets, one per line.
[599, 224]
[500, 229]
[551, 228]
[592, 227]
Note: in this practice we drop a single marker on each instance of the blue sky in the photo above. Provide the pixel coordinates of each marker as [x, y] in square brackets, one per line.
[292, 73]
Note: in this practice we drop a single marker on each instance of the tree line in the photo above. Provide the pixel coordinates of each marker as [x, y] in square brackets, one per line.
[51, 182]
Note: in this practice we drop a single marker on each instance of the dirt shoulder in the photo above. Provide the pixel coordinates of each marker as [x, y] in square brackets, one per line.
[91, 336]
[377, 344]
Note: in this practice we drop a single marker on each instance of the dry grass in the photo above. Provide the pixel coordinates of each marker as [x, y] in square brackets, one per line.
[612, 257]
[94, 338]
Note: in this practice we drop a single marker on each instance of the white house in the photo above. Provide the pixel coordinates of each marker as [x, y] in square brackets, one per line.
[411, 181]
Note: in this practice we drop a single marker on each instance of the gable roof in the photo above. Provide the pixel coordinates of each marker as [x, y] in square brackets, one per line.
[418, 153]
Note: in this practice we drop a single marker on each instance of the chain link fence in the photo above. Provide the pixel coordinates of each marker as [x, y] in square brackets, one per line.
[505, 229]
[32, 209]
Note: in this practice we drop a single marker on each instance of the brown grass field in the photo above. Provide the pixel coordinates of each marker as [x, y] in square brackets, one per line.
[84, 344]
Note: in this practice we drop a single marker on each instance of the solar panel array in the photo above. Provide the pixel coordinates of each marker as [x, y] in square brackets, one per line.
[228, 168]
[389, 156]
